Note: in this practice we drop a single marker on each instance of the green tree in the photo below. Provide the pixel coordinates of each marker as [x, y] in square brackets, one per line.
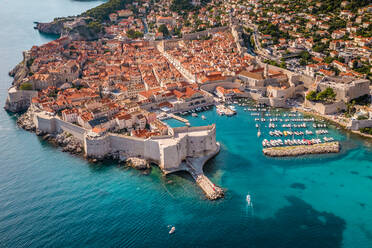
[26, 86]
[311, 96]
[134, 34]
[326, 95]
[163, 29]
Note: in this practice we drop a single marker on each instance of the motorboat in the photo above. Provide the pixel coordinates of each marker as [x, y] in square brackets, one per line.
[194, 115]
[172, 230]
[203, 117]
[248, 199]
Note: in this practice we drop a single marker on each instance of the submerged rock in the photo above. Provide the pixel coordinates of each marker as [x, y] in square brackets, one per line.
[298, 186]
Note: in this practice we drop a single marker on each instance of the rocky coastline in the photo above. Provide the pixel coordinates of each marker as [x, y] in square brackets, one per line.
[291, 151]
[70, 144]
[76, 28]
[65, 140]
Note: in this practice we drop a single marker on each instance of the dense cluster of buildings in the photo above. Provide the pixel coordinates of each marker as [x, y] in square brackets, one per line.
[122, 84]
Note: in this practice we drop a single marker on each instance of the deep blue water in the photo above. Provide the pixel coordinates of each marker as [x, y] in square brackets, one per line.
[52, 199]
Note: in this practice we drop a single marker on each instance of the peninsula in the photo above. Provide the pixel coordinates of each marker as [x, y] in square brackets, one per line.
[104, 87]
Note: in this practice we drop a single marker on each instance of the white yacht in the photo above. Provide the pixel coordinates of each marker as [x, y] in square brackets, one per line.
[172, 230]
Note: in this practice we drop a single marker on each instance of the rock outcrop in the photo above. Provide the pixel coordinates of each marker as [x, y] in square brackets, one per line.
[138, 163]
[54, 27]
[287, 151]
[25, 121]
[76, 28]
[69, 143]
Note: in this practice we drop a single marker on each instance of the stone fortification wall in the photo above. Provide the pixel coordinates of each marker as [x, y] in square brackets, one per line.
[97, 147]
[185, 129]
[277, 102]
[52, 124]
[167, 151]
[308, 81]
[358, 124]
[76, 131]
[198, 35]
[19, 100]
[44, 123]
[210, 87]
[325, 109]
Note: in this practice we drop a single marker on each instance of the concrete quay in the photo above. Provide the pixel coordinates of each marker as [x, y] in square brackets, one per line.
[289, 151]
[178, 118]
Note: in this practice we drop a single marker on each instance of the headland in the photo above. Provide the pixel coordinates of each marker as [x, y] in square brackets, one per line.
[103, 88]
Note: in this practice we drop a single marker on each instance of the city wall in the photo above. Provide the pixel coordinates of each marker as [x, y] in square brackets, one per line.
[167, 151]
[52, 124]
[358, 124]
[325, 109]
[18, 100]
[211, 87]
[198, 35]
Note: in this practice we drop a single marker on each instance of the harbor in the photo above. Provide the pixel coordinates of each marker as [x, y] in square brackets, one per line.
[292, 131]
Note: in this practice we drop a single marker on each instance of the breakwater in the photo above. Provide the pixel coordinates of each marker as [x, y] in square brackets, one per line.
[290, 151]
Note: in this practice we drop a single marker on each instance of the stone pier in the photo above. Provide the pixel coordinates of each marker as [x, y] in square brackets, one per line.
[195, 167]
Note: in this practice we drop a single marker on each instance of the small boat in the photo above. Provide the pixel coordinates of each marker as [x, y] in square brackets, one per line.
[248, 199]
[258, 133]
[172, 230]
[203, 117]
[194, 115]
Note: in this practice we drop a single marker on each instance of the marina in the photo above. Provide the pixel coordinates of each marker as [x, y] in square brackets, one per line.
[288, 129]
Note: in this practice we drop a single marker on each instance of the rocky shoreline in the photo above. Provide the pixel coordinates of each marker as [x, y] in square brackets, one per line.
[290, 151]
[76, 28]
[65, 140]
[70, 144]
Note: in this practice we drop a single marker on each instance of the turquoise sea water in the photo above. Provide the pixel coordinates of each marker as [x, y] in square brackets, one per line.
[52, 199]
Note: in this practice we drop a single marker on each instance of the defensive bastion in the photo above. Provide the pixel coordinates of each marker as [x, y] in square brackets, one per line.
[183, 149]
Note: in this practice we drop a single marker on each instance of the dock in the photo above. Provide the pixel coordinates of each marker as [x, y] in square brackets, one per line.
[223, 110]
[179, 118]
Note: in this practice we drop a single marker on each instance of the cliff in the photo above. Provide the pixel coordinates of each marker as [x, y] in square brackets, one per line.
[20, 71]
[77, 28]
[55, 27]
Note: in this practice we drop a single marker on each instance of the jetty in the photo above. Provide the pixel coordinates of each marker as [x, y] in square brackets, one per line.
[179, 118]
[195, 167]
[289, 151]
[223, 110]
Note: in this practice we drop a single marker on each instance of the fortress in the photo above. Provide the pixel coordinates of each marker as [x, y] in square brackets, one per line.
[182, 149]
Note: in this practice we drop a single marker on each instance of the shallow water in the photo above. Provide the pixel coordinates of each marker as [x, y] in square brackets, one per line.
[52, 199]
